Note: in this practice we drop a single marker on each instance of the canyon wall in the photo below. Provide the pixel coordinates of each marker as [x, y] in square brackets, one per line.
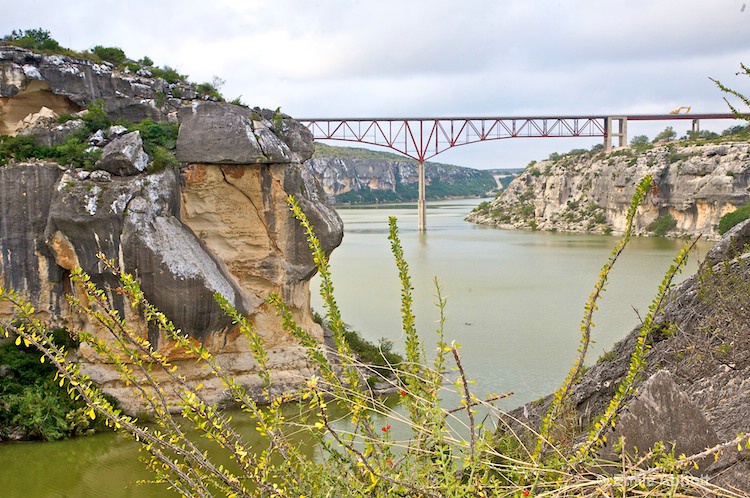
[591, 192]
[392, 179]
[218, 223]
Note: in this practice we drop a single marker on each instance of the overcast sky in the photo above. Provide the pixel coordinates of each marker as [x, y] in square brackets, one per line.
[377, 58]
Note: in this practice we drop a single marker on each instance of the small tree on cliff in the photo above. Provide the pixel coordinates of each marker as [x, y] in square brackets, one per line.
[667, 134]
[639, 141]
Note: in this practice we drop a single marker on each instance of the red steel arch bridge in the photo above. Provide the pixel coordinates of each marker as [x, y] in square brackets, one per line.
[424, 138]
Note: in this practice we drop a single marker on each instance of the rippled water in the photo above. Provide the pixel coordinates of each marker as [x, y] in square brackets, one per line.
[515, 301]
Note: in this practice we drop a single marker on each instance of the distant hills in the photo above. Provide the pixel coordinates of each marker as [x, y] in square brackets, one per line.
[352, 175]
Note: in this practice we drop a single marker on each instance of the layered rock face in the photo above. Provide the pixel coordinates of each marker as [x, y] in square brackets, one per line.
[383, 180]
[219, 224]
[695, 387]
[695, 184]
[66, 85]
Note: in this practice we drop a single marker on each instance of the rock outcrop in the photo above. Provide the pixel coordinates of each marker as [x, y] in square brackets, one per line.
[591, 192]
[66, 85]
[389, 178]
[696, 378]
[218, 224]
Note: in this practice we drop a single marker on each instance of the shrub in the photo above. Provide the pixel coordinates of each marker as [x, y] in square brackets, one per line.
[33, 401]
[161, 159]
[208, 90]
[639, 141]
[110, 54]
[667, 134]
[35, 39]
[662, 224]
[97, 118]
[361, 458]
[169, 74]
[735, 217]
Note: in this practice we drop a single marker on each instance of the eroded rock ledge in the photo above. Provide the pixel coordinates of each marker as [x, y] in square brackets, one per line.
[218, 224]
[694, 390]
[695, 184]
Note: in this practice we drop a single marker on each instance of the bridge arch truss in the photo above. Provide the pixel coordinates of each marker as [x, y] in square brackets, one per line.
[424, 138]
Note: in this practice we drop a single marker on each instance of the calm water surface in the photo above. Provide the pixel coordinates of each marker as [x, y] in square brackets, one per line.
[515, 301]
[515, 298]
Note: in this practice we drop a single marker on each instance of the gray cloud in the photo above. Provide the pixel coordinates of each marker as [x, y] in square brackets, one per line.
[335, 58]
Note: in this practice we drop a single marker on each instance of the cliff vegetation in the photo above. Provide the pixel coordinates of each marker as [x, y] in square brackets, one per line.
[698, 179]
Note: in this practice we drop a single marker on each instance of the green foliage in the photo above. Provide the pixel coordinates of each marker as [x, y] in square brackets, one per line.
[238, 101]
[96, 117]
[208, 90]
[667, 133]
[361, 457]
[34, 39]
[701, 135]
[18, 148]
[146, 61]
[32, 400]
[169, 74]
[71, 152]
[482, 208]
[639, 141]
[735, 217]
[161, 159]
[662, 224]
[155, 134]
[110, 54]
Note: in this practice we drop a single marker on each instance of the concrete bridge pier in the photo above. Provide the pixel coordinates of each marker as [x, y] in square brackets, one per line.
[421, 204]
[621, 133]
[696, 128]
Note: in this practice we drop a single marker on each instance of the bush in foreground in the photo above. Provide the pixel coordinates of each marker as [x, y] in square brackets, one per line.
[461, 451]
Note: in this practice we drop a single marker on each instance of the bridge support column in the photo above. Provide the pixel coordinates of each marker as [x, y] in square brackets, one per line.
[421, 204]
[621, 133]
[696, 128]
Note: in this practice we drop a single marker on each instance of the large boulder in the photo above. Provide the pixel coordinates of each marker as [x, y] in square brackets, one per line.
[124, 156]
[660, 413]
[222, 133]
[134, 221]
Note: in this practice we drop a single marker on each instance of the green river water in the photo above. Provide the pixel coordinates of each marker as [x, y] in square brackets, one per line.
[515, 301]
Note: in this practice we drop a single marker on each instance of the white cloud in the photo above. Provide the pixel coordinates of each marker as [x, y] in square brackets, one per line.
[428, 57]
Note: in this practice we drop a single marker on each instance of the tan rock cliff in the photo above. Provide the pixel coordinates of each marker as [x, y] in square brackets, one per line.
[696, 184]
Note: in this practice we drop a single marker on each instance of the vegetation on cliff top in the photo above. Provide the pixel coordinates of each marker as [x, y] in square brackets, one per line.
[159, 140]
[40, 40]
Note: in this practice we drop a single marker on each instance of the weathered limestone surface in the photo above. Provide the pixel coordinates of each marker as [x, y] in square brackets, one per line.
[591, 192]
[661, 412]
[341, 175]
[66, 85]
[702, 340]
[219, 224]
[26, 192]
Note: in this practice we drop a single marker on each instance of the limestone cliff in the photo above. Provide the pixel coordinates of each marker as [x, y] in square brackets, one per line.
[218, 223]
[351, 175]
[695, 384]
[590, 192]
